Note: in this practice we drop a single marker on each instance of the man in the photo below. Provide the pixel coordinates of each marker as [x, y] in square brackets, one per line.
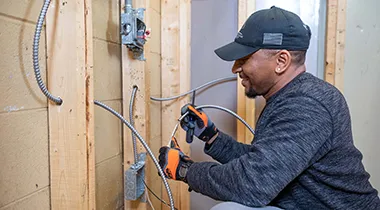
[302, 155]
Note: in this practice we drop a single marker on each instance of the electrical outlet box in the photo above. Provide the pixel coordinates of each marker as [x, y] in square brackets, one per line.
[134, 186]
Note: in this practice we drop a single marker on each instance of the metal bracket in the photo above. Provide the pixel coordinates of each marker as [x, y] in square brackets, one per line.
[133, 30]
[134, 186]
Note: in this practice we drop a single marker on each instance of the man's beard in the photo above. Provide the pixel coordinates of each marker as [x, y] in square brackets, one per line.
[251, 93]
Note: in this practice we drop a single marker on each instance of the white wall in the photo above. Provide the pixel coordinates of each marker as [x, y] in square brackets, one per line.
[362, 80]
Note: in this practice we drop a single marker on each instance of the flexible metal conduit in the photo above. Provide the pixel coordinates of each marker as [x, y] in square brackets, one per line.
[224, 79]
[131, 102]
[213, 107]
[145, 146]
[36, 65]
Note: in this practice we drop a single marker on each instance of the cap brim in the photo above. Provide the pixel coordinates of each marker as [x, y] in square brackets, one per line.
[234, 51]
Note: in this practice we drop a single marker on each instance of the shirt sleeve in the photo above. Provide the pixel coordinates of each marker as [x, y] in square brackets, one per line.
[225, 148]
[297, 128]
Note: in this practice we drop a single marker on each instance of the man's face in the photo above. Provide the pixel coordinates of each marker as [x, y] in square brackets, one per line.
[257, 73]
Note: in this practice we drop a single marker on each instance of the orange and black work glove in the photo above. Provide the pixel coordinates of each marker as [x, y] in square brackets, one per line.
[174, 163]
[197, 123]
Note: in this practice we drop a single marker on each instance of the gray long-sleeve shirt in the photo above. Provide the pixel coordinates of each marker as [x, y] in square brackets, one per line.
[302, 155]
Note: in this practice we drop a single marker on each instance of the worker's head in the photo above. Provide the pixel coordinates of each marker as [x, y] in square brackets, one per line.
[271, 44]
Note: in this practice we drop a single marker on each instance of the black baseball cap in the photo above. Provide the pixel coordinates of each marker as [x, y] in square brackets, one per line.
[273, 28]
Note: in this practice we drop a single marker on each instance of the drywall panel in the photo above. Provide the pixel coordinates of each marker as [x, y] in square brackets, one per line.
[107, 70]
[21, 9]
[19, 89]
[362, 80]
[109, 184]
[108, 135]
[24, 154]
[106, 16]
[213, 24]
[38, 200]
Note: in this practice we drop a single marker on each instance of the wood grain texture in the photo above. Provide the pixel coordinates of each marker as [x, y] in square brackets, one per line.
[134, 74]
[69, 50]
[330, 48]
[340, 44]
[24, 154]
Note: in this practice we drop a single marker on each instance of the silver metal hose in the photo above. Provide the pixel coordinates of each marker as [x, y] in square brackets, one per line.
[224, 79]
[145, 146]
[36, 65]
[213, 107]
[131, 102]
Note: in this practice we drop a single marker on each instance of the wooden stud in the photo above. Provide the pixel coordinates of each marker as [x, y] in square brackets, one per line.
[335, 43]
[69, 63]
[245, 107]
[170, 77]
[185, 75]
[134, 74]
[340, 44]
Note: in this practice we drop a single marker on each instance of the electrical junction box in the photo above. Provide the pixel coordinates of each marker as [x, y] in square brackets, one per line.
[134, 186]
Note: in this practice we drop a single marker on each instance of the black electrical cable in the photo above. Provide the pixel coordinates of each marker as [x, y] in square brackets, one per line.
[155, 195]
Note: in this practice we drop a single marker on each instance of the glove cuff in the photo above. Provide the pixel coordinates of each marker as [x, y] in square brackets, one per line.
[208, 133]
[182, 170]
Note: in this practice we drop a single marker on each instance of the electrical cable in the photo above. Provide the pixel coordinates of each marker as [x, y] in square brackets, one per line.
[171, 201]
[213, 107]
[155, 195]
[131, 102]
[36, 65]
[224, 79]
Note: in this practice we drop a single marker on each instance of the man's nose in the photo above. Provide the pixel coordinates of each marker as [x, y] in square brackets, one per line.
[236, 69]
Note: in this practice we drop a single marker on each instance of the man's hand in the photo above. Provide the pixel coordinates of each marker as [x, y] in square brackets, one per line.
[197, 123]
[174, 163]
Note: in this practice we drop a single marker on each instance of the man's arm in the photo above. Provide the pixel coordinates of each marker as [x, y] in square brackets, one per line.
[299, 127]
[225, 148]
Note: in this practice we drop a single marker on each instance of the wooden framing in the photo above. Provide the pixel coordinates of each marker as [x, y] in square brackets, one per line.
[71, 125]
[175, 77]
[335, 42]
[134, 74]
[245, 107]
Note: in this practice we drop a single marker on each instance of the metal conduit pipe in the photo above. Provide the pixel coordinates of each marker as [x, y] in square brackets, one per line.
[36, 65]
[131, 102]
[171, 201]
[213, 82]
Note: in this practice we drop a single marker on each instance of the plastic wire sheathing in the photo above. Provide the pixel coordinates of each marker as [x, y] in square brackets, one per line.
[171, 201]
[36, 43]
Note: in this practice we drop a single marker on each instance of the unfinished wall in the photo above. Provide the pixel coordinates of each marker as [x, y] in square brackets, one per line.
[107, 85]
[362, 80]
[24, 174]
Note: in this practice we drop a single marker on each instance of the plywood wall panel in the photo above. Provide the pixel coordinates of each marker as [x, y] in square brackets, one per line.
[106, 20]
[24, 154]
[19, 89]
[107, 70]
[109, 184]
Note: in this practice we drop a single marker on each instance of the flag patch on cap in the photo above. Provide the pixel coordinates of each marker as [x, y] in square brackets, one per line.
[272, 38]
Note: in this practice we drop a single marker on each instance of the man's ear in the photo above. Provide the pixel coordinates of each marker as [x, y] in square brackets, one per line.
[284, 59]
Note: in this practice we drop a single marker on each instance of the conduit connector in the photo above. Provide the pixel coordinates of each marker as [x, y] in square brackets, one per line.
[133, 30]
